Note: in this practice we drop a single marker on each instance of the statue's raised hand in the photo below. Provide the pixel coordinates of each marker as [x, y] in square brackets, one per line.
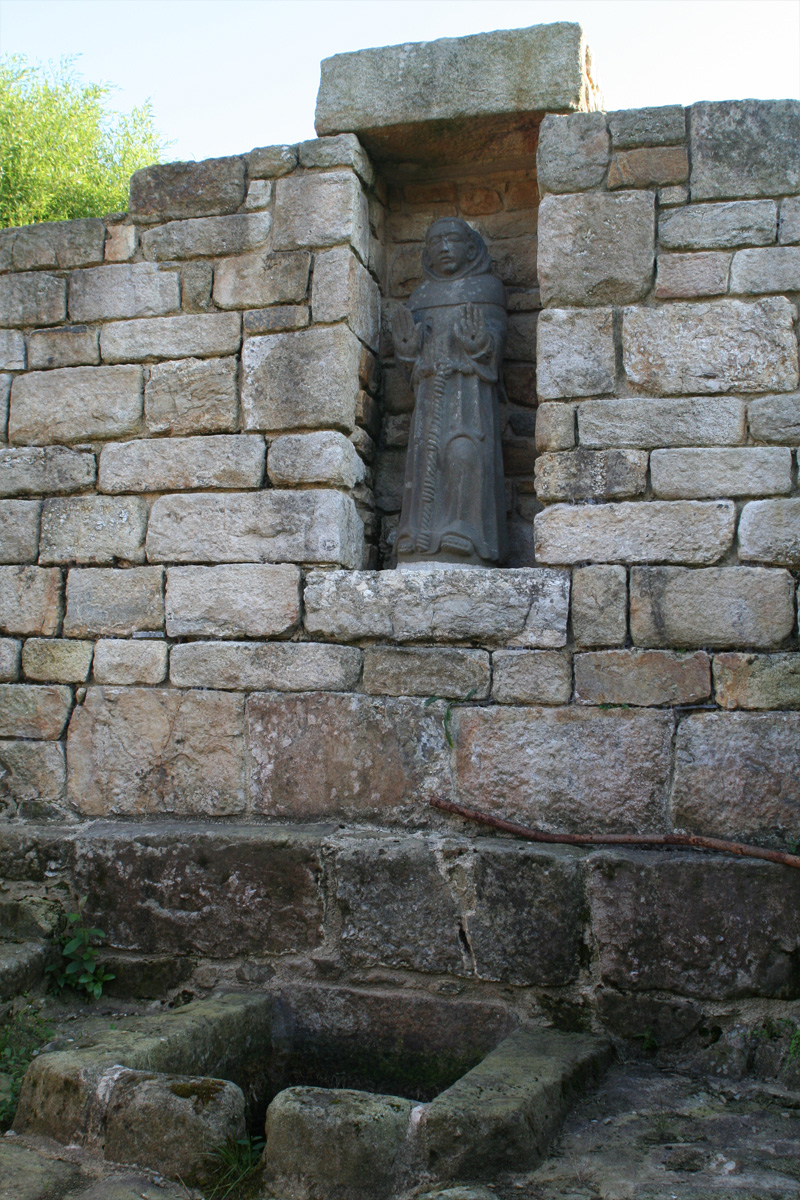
[406, 334]
[471, 331]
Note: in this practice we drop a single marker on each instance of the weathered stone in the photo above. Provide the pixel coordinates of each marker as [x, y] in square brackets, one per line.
[259, 195]
[789, 223]
[57, 660]
[37, 711]
[140, 751]
[390, 474]
[531, 677]
[596, 248]
[5, 392]
[256, 666]
[72, 346]
[9, 659]
[572, 154]
[591, 474]
[600, 606]
[19, 530]
[345, 291]
[171, 337]
[771, 269]
[649, 167]
[320, 755]
[176, 464]
[647, 423]
[30, 600]
[188, 189]
[75, 404]
[321, 210]
[716, 608]
[62, 244]
[520, 380]
[448, 673]
[726, 345]
[276, 319]
[32, 299]
[303, 380]
[769, 531]
[33, 778]
[744, 148]
[555, 427]
[123, 662]
[192, 395]
[736, 938]
[206, 236]
[669, 197]
[642, 677]
[197, 277]
[344, 150]
[241, 600]
[124, 290]
[526, 607]
[318, 526]
[121, 243]
[297, 459]
[687, 531]
[683, 276]
[93, 529]
[253, 280]
[565, 768]
[775, 419]
[105, 602]
[757, 680]
[647, 126]
[575, 353]
[270, 162]
[27, 1175]
[739, 471]
[521, 341]
[12, 350]
[719, 226]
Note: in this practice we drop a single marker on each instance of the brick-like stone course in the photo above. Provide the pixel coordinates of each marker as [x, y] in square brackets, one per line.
[575, 353]
[719, 226]
[19, 530]
[769, 532]
[591, 474]
[680, 531]
[744, 148]
[37, 711]
[531, 677]
[32, 299]
[206, 236]
[258, 666]
[599, 605]
[178, 464]
[646, 423]
[122, 290]
[122, 662]
[244, 600]
[75, 404]
[59, 244]
[72, 346]
[697, 473]
[759, 681]
[642, 677]
[104, 602]
[95, 530]
[445, 672]
[190, 189]
[31, 600]
[57, 660]
[302, 380]
[192, 395]
[261, 278]
[198, 336]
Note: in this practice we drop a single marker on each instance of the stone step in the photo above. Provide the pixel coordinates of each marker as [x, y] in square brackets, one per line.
[22, 966]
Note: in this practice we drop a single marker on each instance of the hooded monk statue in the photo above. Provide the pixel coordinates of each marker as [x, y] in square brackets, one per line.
[450, 342]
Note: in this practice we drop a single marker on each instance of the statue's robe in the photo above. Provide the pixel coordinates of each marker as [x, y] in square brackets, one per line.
[454, 469]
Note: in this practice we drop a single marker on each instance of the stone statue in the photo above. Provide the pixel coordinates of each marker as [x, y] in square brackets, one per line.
[450, 342]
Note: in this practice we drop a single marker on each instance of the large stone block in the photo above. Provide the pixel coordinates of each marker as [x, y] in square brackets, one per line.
[744, 148]
[207, 236]
[555, 427]
[12, 350]
[737, 471]
[683, 531]
[19, 530]
[600, 605]
[34, 778]
[725, 345]
[685, 276]
[60, 244]
[301, 380]
[93, 529]
[526, 607]
[270, 162]
[298, 459]
[318, 755]
[444, 672]
[201, 336]
[71, 346]
[75, 404]
[323, 209]
[575, 353]
[257, 666]
[649, 167]
[122, 662]
[193, 395]
[344, 290]
[531, 677]
[108, 602]
[769, 531]
[37, 711]
[573, 151]
[789, 222]
[123, 290]
[317, 526]
[775, 419]
[32, 299]
[719, 226]
[642, 677]
[565, 768]
[245, 600]
[591, 474]
[177, 464]
[9, 659]
[647, 126]
[757, 680]
[647, 423]
[140, 751]
[188, 189]
[57, 660]
[31, 600]
[771, 269]
[263, 278]
[715, 608]
[709, 927]
[596, 248]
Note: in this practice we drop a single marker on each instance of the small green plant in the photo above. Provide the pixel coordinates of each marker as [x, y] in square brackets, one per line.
[78, 967]
[648, 1040]
[232, 1165]
[793, 1053]
[21, 1037]
[448, 712]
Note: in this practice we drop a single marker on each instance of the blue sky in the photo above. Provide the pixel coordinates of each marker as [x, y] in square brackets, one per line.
[227, 75]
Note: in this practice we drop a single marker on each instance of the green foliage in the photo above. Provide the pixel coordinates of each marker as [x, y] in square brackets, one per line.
[63, 152]
[448, 712]
[79, 968]
[21, 1036]
[232, 1166]
[793, 1053]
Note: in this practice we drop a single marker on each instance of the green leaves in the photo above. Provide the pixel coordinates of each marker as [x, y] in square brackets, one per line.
[79, 968]
[21, 1037]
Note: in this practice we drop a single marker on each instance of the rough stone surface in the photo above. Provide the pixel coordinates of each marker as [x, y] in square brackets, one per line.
[565, 768]
[30, 600]
[769, 531]
[738, 471]
[246, 600]
[259, 195]
[647, 126]
[531, 677]
[273, 526]
[719, 226]
[572, 154]
[12, 350]
[73, 346]
[744, 148]
[57, 660]
[448, 673]
[121, 242]
[599, 605]
[524, 607]
[178, 464]
[775, 419]
[9, 659]
[256, 666]
[32, 299]
[716, 608]
[321, 210]
[197, 278]
[591, 474]
[33, 780]
[642, 677]
[37, 711]
[137, 751]
[202, 336]
[207, 236]
[647, 423]
[192, 395]
[19, 530]
[297, 459]
[75, 403]
[262, 278]
[93, 529]
[108, 602]
[279, 318]
[789, 226]
[659, 531]
[648, 167]
[555, 427]
[757, 680]
[596, 248]
[188, 189]
[32, 1177]
[270, 162]
[345, 291]
[303, 380]
[123, 290]
[575, 353]
[61, 244]
[725, 345]
[684, 276]
[122, 662]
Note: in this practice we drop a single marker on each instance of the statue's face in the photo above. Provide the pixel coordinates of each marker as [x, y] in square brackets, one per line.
[449, 250]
